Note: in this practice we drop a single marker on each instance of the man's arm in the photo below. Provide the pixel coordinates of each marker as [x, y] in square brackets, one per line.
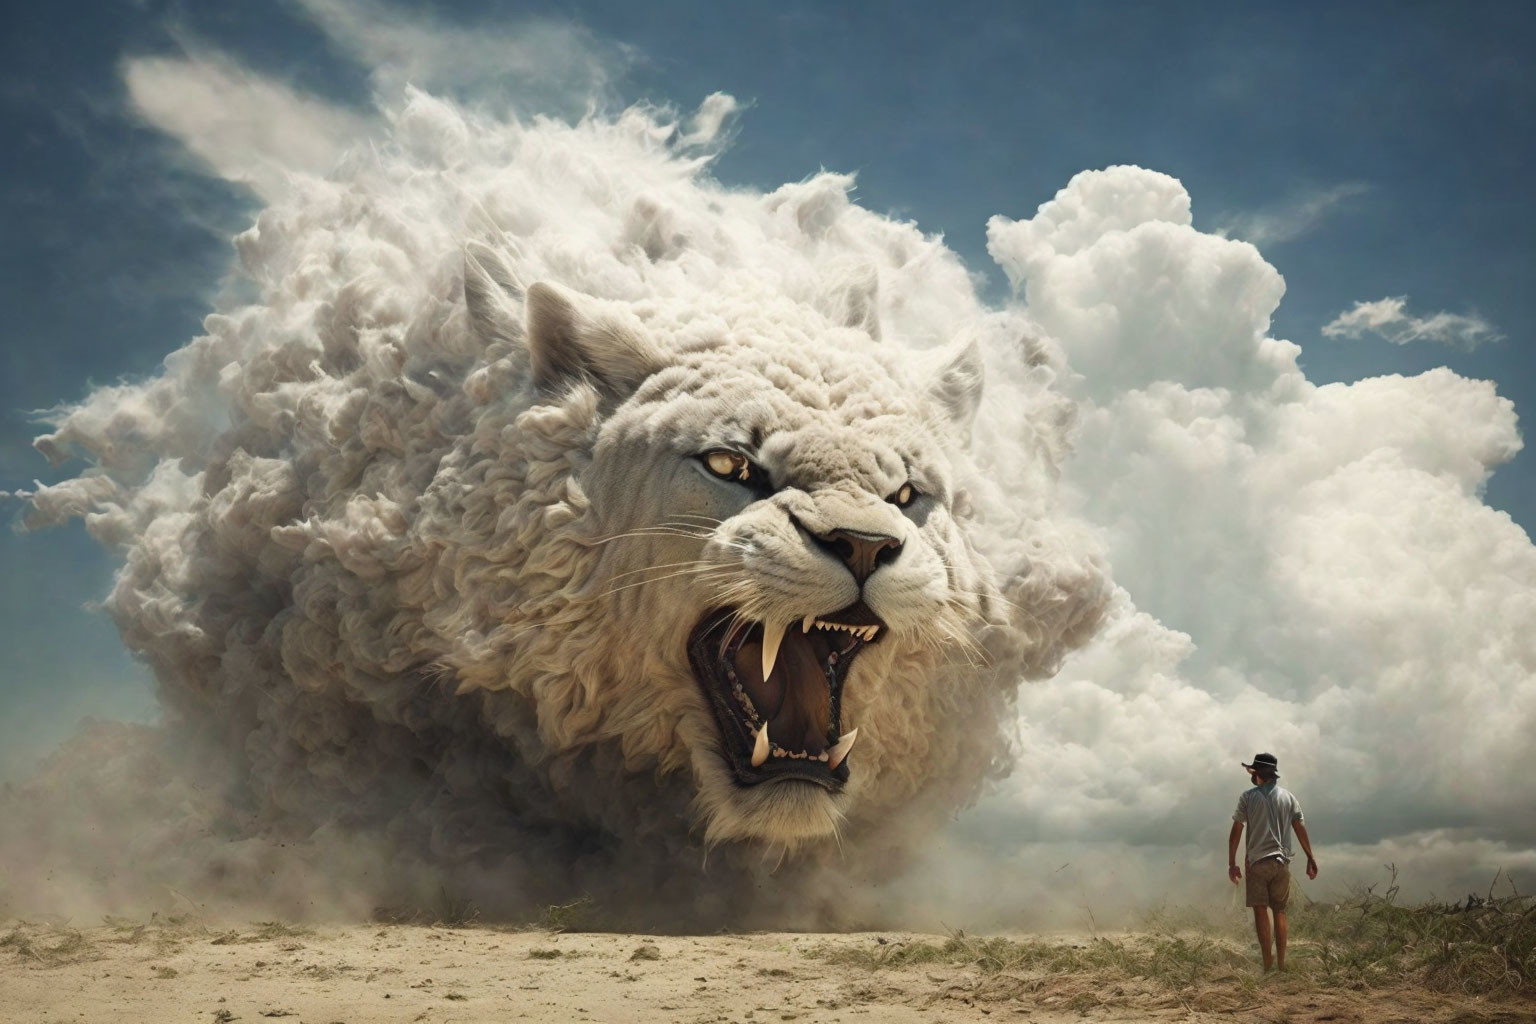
[1233, 871]
[1306, 844]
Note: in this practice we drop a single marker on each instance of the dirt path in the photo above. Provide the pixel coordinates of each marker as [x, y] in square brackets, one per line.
[159, 973]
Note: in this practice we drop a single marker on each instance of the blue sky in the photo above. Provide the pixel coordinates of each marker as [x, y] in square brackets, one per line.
[1380, 150]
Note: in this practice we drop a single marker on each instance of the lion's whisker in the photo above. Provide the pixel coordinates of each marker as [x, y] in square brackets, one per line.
[701, 571]
[663, 565]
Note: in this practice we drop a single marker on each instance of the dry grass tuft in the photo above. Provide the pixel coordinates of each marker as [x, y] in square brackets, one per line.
[48, 945]
[125, 930]
[455, 911]
[1482, 945]
[270, 931]
[568, 917]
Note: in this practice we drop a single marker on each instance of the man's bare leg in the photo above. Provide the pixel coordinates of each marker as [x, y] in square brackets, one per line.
[1280, 940]
[1261, 925]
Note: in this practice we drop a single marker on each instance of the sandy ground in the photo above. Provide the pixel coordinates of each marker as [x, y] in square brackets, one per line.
[125, 973]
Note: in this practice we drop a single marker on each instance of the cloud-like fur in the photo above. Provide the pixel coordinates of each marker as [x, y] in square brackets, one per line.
[368, 525]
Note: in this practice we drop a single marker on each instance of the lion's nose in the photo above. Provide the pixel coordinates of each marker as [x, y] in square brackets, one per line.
[862, 553]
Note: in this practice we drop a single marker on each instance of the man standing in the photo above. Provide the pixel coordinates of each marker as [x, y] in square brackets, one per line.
[1270, 813]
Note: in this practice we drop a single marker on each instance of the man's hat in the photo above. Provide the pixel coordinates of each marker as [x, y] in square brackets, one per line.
[1266, 764]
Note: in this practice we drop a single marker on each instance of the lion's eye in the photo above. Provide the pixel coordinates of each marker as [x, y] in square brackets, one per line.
[730, 466]
[904, 496]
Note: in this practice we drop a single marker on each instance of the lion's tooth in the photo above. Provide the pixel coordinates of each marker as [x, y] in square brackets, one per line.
[773, 635]
[870, 631]
[840, 748]
[760, 746]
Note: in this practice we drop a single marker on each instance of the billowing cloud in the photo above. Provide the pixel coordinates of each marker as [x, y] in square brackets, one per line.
[1306, 569]
[1389, 319]
[552, 66]
[1289, 220]
[249, 129]
[1112, 268]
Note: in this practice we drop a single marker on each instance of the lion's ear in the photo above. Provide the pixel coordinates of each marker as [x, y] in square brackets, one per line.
[566, 345]
[489, 288]
[955, 375]
[855, 296]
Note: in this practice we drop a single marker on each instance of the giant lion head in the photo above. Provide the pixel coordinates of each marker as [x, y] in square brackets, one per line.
[770, 584]
[545, 502]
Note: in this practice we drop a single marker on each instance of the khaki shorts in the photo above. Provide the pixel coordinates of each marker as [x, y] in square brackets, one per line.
[1269, 883]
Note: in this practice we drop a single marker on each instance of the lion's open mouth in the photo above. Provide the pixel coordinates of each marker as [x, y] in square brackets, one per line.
[783, 723]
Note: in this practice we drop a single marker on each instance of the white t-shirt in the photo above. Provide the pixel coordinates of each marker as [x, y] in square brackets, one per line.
[1268, 812]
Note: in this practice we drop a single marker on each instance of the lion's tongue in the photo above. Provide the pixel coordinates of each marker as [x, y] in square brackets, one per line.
[795, 699]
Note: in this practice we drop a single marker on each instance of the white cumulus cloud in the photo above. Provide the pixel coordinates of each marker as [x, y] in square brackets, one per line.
[1306, 569]
[1389, 318]
[1113, 269]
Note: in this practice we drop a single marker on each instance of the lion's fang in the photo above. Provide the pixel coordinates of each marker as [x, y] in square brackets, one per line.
[760, 747]
[773, 635]
[840, 749]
